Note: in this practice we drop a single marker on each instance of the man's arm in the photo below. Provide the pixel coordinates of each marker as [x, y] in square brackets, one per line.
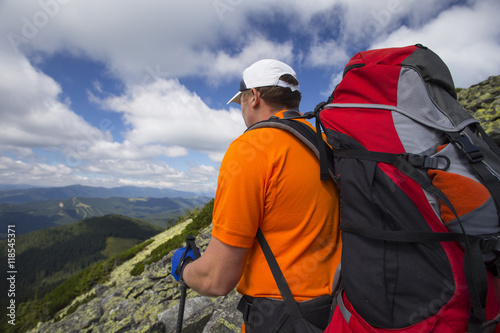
[218, 270]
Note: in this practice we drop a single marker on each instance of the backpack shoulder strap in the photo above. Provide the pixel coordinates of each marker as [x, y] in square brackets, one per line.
[285, 291]
[300, 324]
[312, 139]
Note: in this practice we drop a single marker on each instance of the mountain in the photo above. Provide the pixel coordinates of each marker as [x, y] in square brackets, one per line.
[46, 258]
[482, 100]
[4, 187]
[22, 195]
[38, 215]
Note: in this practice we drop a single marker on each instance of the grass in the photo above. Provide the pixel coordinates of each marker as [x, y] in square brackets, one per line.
[117, 245]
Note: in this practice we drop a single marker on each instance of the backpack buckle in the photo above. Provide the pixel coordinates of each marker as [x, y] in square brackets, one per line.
[427, 162]
[490, 244]
[470, 150]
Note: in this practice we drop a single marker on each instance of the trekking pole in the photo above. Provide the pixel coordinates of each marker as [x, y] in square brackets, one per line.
[190, 244]
[182, 303]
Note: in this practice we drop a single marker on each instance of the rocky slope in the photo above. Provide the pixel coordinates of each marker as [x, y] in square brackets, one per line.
[483, 101]
[148, 302]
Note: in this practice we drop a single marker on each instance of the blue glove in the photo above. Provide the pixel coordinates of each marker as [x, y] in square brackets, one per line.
[180, 259]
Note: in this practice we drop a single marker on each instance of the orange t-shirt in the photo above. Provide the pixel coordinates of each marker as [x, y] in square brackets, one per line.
[270, 179]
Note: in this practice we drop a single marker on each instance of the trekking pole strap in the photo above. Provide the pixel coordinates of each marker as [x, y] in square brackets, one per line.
[191, 244]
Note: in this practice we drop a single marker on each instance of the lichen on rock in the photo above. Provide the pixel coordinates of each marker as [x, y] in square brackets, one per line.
[482, 100]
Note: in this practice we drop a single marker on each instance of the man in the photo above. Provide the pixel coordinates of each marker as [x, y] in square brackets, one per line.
[269, 180]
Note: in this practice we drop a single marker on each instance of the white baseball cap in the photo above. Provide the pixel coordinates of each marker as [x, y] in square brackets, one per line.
[265, 73]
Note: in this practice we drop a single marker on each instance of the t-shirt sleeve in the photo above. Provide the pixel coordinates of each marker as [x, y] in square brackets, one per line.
[241, 190]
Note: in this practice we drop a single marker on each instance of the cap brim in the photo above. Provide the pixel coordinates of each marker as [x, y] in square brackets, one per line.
[236, 98]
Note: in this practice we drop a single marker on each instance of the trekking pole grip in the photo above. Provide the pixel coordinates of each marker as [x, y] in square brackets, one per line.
[190, 244]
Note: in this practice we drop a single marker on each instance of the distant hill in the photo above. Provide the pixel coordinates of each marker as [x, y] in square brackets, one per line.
[4, 187]
[46, 258]
[37, 215]
[23, 195]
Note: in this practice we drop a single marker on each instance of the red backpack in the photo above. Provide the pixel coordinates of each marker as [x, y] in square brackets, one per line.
[420, 193]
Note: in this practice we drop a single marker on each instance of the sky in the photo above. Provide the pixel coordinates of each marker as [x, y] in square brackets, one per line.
[122, 92]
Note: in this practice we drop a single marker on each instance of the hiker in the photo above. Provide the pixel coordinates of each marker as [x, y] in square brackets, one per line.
[269, 180]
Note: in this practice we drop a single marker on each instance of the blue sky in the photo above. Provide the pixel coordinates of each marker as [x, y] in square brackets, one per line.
[124, 92]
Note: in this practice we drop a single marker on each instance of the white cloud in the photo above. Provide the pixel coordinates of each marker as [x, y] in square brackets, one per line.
[128, 151]
[179, 38]
[31, 114]
[14, 171]
[130, 36]
[329, 54]
[223, 66]
[165, 112]
[365, 21]
[466, 38]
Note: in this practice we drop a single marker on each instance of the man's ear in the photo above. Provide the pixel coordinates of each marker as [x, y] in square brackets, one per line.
[255, 97]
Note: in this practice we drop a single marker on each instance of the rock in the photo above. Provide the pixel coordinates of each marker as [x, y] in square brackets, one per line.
[226, 318]
[195, 309]
[100, 289]
[482, 100]
[93, 315]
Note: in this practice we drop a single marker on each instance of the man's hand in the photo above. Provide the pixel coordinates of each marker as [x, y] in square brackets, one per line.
[218, 271]
[181, 258]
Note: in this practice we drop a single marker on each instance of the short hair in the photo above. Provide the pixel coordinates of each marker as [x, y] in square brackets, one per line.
[278, 97]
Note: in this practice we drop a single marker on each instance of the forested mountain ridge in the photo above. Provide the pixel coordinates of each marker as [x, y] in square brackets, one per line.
[22, 195]
[38, 215]
[46, 258]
